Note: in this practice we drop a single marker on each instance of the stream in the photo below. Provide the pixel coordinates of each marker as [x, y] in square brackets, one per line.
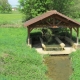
[59, 67]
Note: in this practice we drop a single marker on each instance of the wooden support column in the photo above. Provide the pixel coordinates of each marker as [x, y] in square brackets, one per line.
[28, 39]
[71, 32]
[54, 21]
[66, 31]
[77, 35]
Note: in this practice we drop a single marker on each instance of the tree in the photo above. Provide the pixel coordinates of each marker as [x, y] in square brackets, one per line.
[32, 8]
[63, 6]
[5, 7]
[75, 9]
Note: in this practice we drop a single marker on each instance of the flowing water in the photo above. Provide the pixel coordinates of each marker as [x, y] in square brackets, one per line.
[59, 67]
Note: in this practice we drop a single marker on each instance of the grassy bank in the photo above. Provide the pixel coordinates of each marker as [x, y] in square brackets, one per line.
[75, 65]
[17, 60]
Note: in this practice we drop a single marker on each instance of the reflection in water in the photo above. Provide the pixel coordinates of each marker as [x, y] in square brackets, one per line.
[59, 67]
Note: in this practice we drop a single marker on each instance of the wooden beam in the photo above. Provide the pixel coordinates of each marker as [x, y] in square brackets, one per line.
[75, 29]
[58, 23]
[31, 28]
[54, 26]
[62, 19]
[48, 23]
[66, 30]
[54, 20]
[71, 32]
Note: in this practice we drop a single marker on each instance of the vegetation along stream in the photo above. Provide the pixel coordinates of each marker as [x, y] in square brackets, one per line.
[59, 67]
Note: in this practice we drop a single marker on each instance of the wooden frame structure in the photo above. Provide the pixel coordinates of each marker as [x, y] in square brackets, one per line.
[52, 19]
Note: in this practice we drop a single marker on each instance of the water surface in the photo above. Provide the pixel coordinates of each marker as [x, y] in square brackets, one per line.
[59, 67]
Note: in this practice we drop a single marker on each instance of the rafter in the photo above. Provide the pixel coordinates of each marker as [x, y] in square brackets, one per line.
[48, 23]
[58, 23]
[66, 21]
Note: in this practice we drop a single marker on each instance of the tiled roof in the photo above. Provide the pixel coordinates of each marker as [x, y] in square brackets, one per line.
[48, 14]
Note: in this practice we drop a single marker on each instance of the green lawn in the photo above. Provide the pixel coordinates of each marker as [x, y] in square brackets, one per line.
[17, 60]
[11, 20]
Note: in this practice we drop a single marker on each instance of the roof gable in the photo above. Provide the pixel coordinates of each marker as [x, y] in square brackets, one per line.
[47, 15]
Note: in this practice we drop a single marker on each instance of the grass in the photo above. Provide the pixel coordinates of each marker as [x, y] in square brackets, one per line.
[11, 20]
[75, 56]
[17, 60]
[75, 65]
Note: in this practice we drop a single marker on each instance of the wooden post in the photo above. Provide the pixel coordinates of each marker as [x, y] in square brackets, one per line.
[28, 36]
[77, 35]
[54, 21]
[71, 32]
[66, 32]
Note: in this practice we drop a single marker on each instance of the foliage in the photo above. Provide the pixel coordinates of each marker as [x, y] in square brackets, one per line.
[17, 60]
[63, 6]
[68, 7]
[75, 9]
[5, 7]
[77, 19]
[36, 7]
[75, 65]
